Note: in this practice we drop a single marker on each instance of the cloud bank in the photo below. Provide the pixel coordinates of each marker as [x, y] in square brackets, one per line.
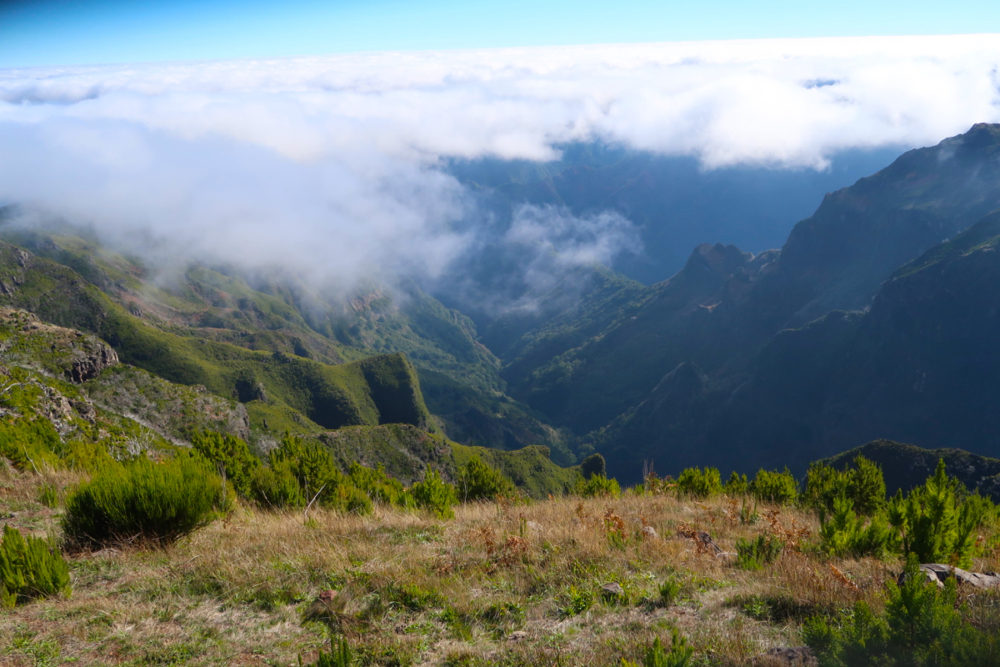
[335, 165]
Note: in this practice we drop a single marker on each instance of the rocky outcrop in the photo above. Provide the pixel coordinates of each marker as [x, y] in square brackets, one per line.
[91, 361]
[939, 573]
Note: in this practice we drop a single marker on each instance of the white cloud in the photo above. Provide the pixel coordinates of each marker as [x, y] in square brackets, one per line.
[333, 163]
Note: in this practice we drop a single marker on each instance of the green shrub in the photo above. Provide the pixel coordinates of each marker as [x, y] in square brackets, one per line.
[736, 485]
[379, 486]
[319, 478]
[844, 533]
[30, 444]
[478, 481]
[143, 501]
[30, 567]
[866, 486]
[656, 655]
[938, 521]
[921, 625]
[277, 489]
[48, 495]
[597, 486]
[699, 483]
[312, 465]
[232, 458]
[754, 554]
[435, 494]
[863, 484]
[775, 487]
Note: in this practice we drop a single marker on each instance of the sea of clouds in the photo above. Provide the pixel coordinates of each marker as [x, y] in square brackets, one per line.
[336, 165]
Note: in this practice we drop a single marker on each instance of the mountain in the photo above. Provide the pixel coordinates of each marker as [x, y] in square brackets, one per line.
[66, 398]
[876, 319]
[674, 201]
[182, 321]
[742, 359]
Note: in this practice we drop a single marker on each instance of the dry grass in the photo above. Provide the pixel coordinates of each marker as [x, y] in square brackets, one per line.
[498, 584]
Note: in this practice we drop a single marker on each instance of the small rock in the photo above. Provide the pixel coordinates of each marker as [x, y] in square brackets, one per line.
[612, 590]
[650, 532]
[533, 525]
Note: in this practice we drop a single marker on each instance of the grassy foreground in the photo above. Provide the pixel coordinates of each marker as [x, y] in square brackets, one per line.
[498, 584]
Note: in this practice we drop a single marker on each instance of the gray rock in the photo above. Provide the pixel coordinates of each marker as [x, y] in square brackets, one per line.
[612, 590]
[938, 573]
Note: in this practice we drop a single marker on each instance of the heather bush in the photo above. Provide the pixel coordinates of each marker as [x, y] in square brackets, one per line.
[231, 456]
[435, 494]
[863, 484]
[844, 533]
[144, 501]
[30, 567]
[736, 485]
[479, 481]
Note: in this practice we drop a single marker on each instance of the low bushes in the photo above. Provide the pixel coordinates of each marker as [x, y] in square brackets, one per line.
[936, 522]
[699, 482]
[775, 487]
[143, 501]
[597, 486]
[30, 567]
[921, 625]
[863, 485]
[435, 494]
[478, 481]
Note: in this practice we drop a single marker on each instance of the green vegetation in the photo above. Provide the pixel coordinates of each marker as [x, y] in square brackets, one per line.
[921, 625]
[863, 484]
[434, 494]
[939, 522]
[736, 485]
[699, 482]
[30, 567]
[755, 554]
[143, 501]
[478, 481]
[656, 655]
[936, 522]
[597, 486]
[775, 487]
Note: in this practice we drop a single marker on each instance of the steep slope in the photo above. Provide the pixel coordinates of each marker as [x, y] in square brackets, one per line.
[725, 309]
[66, 400]
[921, 365]
[279, 313]
[371, 391]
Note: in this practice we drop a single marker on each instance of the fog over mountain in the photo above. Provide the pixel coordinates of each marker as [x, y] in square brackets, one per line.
[339, 165]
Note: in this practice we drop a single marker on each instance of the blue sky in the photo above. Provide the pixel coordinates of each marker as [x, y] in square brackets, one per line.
[66, 32]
